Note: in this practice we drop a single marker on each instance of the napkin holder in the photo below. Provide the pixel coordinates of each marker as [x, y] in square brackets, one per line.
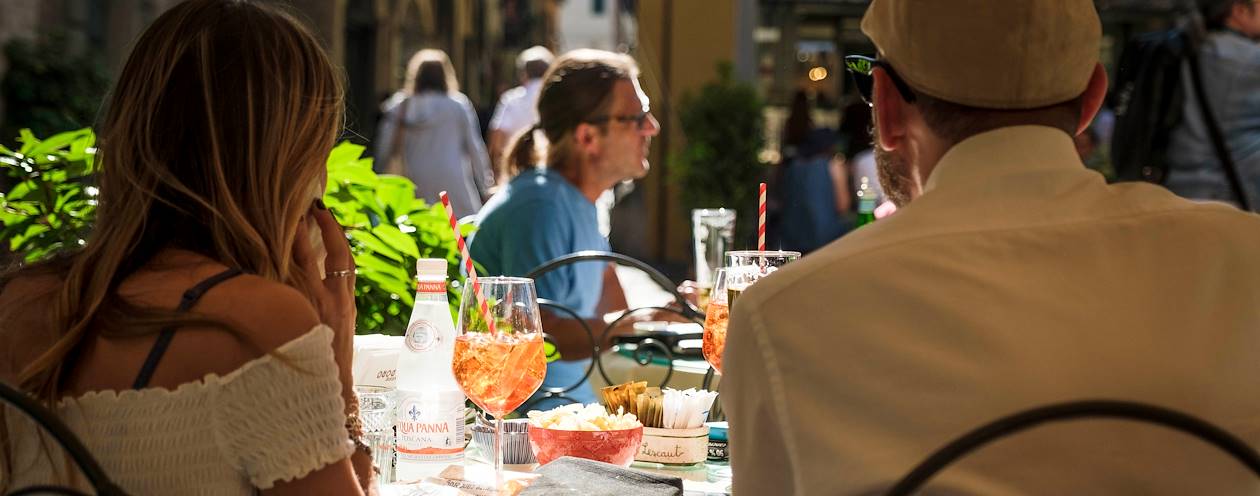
[674, 446]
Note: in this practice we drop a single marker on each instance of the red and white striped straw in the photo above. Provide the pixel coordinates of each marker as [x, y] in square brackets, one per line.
[468, 264]
[761, 219]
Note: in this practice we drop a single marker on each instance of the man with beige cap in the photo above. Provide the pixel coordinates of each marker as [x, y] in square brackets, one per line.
[1011, 277]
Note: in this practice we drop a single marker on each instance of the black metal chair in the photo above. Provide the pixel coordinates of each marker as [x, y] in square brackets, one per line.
[68, 442]
[646, 348]
[1012, 424]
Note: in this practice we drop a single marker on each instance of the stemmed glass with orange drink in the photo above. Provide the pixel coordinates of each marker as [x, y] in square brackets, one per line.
[499, 366]
[743, 268]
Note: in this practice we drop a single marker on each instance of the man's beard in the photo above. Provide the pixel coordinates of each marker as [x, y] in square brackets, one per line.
[894, 172]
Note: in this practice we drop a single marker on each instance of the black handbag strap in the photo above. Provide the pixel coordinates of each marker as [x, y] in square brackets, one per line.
[1215, 134]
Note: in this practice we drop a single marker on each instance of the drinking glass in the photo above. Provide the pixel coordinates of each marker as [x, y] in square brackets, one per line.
[376, 412]
[743, 269]
[499, 370]
[712, 233]
[765, 261]
[715, 317]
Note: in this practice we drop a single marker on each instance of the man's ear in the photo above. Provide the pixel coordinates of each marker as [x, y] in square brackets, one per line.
[586, 136]
[1092, 98]
[890, 111]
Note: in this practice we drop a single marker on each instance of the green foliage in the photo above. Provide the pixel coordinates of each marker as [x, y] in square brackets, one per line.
[719, 166]
[52, 203]
[46, 88]
[389, 229]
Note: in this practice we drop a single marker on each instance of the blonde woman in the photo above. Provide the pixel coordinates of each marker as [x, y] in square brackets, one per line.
[430, 130]
[200, 342]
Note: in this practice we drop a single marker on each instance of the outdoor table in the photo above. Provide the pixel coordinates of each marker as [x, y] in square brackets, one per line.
[714, 479]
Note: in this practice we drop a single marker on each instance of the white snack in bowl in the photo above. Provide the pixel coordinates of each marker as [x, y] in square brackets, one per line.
[575, 417]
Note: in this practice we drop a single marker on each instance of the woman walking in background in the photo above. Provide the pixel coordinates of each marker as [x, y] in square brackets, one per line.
[430, 130]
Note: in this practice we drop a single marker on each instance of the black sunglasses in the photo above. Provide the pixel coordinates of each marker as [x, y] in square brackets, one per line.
[861, 67]
[639, 119]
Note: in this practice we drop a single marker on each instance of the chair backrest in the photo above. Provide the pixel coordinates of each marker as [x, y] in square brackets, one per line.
[66, 439]
[1012, 424]
[646, 349]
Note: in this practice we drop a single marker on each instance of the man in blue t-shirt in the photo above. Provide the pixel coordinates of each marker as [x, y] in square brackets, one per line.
[598, 128]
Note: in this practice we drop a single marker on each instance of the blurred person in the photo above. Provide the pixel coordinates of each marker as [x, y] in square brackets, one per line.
[1229, 61]
[1012, 277]
[202, 337]
[855, 129]
[817, 202]
[597, 125]
[797, 126]
[432, 129]
[518, 107]
[796, 130]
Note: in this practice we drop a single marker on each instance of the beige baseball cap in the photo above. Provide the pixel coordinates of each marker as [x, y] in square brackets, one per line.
[998, 54]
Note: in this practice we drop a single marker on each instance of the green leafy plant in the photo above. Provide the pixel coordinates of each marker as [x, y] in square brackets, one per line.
[53, 204]
[719, 165]
[389, 229]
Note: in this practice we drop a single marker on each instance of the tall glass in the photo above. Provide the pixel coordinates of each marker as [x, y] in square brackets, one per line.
[376, 411]
[743, 268]
[712, 232]
[715, 317]
[498, 371]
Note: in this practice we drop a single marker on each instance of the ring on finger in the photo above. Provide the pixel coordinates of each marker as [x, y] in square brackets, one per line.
[339, 273]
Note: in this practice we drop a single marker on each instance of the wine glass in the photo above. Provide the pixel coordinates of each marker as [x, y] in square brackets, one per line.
[742, 270]
[499, 368]
[715, 316]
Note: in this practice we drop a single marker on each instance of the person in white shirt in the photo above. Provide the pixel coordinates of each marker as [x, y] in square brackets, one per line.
[1011, 277]
[429, 133]
[518, 107]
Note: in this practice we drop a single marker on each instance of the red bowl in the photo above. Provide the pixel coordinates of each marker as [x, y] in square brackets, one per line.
[615, 447]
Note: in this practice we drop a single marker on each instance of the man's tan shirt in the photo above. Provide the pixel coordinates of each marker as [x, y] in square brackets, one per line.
[1018, 279]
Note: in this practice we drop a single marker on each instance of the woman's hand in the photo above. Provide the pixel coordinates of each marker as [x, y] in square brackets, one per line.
[325, 257]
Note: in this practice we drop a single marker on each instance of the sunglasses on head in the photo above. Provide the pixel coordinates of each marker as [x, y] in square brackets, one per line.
[861, 68]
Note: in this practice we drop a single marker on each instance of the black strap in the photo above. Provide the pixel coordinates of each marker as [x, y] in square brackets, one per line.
[1214, 132]
[164, 339]
[1076, 410]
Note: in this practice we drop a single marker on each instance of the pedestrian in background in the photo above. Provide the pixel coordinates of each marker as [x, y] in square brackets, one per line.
[1229, 61]
[518, 107]
[430, 134]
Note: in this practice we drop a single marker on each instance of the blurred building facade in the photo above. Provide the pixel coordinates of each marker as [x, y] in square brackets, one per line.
[781, 47]
[603, 24]
[371, 39]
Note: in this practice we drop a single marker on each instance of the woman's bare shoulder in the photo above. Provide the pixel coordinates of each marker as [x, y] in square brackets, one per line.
[270, 313]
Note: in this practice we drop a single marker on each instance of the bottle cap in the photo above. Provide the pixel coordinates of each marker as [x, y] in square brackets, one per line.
[431, 267]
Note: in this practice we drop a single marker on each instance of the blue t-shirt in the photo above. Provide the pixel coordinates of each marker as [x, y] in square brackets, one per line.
[540, 216]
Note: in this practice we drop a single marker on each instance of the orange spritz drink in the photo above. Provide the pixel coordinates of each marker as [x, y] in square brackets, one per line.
[499, 372]
[715, 318]
[498, 359]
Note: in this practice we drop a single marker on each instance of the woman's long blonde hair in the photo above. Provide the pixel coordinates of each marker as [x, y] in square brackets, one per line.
[211, 141]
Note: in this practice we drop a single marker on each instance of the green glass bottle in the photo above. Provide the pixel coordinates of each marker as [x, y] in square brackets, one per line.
[866, 203]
